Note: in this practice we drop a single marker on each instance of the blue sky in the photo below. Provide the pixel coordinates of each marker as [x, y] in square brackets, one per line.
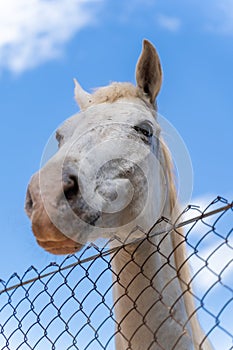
[44, 44]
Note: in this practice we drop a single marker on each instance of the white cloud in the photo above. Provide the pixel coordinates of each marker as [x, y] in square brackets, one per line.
[216, 14]
[223, 17]
[212, 267]
[32, 32]
[172, 24]
[204, 203]
[199, 204]
[212, 15]
[213, 252]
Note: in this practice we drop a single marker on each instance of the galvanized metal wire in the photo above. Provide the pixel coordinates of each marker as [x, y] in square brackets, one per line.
[70, 305]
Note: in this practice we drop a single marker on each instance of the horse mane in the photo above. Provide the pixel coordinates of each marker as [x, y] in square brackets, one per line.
[179, 246]
[178, 239]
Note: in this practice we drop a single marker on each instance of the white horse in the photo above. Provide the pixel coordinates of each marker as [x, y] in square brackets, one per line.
[112, 177]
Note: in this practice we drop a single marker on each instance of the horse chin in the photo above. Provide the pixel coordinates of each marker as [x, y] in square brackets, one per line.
[65, 247]
[49, 237]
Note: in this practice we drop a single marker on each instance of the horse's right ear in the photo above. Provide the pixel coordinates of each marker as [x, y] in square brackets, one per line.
[83, 98]
[149, 72]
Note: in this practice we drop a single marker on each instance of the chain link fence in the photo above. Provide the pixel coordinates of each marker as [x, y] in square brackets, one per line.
[71, 306]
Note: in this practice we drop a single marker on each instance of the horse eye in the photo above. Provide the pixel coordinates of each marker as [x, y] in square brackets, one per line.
[145, 129]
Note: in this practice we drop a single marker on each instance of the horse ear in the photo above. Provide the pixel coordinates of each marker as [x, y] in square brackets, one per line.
[149, 72]
[82, 97]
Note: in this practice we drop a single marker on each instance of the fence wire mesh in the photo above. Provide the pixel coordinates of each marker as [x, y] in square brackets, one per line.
[71, 305]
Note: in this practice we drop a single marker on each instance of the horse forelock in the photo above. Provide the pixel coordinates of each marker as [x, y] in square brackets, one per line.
[116, 91]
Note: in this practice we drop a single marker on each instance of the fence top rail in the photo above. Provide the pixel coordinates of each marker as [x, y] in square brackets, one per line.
[105, 252]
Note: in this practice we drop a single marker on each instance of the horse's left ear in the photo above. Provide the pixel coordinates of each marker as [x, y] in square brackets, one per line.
[149, 72]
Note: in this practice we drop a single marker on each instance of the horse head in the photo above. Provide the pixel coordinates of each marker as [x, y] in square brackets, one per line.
[107, 178]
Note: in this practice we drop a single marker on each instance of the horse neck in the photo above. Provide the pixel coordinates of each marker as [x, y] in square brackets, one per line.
[149, 308]
[148, 297]
[153, 306]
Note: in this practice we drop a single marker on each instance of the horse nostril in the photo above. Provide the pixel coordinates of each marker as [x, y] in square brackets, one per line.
[29, 203]
[70, 186]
